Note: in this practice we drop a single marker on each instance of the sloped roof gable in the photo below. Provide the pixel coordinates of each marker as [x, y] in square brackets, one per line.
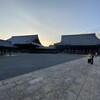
[4, 43]
[28, 39]
[84, 39]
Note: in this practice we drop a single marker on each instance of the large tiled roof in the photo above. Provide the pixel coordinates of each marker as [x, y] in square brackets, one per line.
[81, 39]
[4, 43]
[28, 39]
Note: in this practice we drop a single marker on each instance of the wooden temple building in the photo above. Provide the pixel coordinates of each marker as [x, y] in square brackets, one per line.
[81, 43]
[5, 47]
[28, 43]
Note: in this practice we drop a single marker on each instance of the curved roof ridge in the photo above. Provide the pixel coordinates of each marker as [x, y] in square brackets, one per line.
[25, 39]
[80, 39]
[25, 35]
[80, 34]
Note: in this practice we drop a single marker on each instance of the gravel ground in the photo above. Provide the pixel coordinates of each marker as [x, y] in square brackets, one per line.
[18, 64]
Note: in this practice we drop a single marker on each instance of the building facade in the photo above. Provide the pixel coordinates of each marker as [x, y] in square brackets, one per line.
[6, 47]
[81, 43]
[28, 43]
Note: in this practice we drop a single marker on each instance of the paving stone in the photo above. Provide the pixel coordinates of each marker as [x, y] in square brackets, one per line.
[20, 82]
[80, 79]
[49, 87]
[92, 73]
[73, 73]
[3, 95]
[32, 89]
[97, 86]
[14, 93]
[35, 80]
[12, 80]
[49, 96]
[71, 96]
[10, 85]
[2, 87]
[84, 96]
[97, 77]
[58, 95]
[68, 81]
[23, 86]
[75, 87]
[27, 98]
[18, 96]
[89, 86]
[97, 96]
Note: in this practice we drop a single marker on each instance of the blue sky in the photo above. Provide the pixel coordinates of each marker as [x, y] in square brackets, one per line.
[48, 18]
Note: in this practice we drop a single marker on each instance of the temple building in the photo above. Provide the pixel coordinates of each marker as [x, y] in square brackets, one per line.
[81, 43]
[28, 43]
[5, 47]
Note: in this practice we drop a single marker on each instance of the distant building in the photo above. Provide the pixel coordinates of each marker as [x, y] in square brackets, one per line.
[46, 49]
[28, 43]
[82, 43]
[5, 47]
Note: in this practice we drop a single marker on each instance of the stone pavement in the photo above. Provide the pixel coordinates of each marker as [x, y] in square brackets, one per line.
[73, 80]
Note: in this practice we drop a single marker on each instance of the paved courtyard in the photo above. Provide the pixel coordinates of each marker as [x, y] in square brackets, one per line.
[73, 80]
[19, 64]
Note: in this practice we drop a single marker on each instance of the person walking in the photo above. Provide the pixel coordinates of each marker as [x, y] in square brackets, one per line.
[90, 58]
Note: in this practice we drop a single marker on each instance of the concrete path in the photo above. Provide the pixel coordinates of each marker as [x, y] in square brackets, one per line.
[73, 80]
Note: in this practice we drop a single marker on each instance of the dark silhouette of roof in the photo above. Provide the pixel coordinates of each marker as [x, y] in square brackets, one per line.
[80, 39]
[4, 43]
[28, 39]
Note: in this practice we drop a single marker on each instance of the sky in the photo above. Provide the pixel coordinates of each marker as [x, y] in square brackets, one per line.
[49, 18]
